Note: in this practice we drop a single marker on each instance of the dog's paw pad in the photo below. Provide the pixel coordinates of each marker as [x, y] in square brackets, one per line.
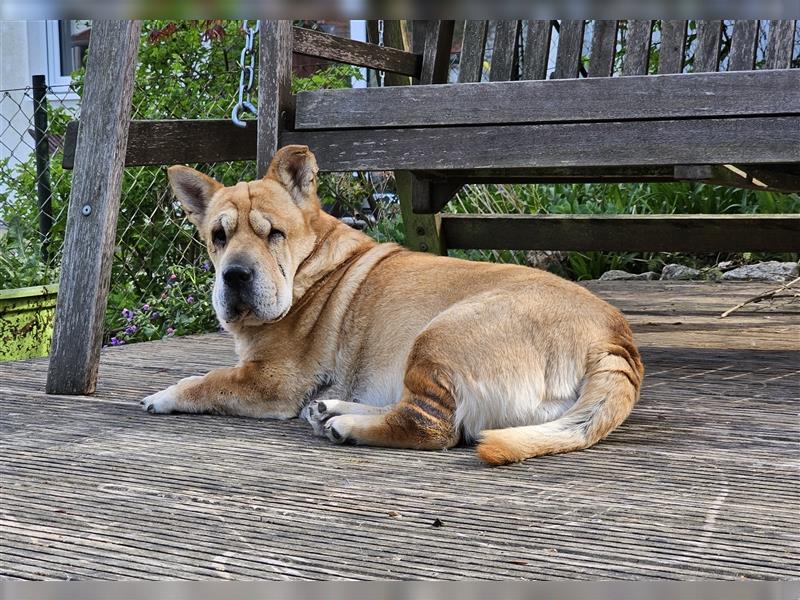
[318, 412]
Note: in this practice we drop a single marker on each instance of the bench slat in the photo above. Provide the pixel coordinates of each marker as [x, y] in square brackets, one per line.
[673, 43]
[709, 35]
[650, 233]
[503, 54]
[187, 141]
[780, 44]
[570, 46]
[438, 38]
[472, 51]
[743, 45]
[537, 50]
[615, 143]
[604, 45]
[352, 52]
[637, 51]
[601, 98]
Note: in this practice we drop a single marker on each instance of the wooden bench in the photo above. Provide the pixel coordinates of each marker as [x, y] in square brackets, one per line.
[739, 127]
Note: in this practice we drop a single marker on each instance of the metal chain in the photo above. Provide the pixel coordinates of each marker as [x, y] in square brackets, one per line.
[248, 72]
[381, 74]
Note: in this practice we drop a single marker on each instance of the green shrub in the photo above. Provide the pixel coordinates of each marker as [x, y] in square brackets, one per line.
[182, 307]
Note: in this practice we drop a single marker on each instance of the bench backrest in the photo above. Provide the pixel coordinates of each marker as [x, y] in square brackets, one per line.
[530, 50]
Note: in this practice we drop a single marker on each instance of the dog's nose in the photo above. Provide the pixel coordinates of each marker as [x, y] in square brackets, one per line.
[237, 276]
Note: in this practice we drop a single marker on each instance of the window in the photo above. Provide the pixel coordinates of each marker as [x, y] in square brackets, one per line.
[67, 41]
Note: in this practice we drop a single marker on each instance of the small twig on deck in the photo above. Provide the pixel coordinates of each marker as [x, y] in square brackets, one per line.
[763, 296]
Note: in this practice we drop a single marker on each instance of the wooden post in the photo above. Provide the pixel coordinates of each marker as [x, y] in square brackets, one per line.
[274, 89]
[93, 207]
[422, 231]
[43, 191]
[431, 39]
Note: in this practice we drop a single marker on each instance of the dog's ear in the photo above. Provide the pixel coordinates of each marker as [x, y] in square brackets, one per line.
[194, 190]
[295, 168]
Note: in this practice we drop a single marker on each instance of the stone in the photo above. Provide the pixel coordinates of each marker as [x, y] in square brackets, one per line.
[675, 271]
[727, 265]
[771, 270]
[545, 259]
[617, 275]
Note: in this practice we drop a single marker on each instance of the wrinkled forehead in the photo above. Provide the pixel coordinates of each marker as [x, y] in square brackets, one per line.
[252, 201]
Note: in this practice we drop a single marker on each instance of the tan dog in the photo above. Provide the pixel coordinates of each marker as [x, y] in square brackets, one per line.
[423, 351]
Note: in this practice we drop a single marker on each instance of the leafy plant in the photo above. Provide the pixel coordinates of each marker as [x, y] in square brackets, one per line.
[20, 259]
[182, 307]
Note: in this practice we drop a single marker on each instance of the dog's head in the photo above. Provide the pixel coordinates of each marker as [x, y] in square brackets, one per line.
[257, 233]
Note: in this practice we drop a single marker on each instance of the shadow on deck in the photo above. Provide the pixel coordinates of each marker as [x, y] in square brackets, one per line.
[700, 482]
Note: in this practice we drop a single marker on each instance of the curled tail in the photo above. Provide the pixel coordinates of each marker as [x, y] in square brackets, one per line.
[609, 392]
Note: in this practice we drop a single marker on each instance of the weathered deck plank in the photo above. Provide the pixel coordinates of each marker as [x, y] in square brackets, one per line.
[701, 481]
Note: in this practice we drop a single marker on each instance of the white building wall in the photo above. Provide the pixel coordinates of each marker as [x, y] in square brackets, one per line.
[27, 48]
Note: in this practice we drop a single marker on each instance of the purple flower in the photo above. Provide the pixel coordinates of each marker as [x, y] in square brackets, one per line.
[115, 341]
[190, 299]
[170, 331]
[145, 307]
[127, 314]
[172, 277]
[155, 315]
[206, 266]
[131, 329]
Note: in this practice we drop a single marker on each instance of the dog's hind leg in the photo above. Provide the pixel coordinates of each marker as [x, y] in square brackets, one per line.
[423, 419]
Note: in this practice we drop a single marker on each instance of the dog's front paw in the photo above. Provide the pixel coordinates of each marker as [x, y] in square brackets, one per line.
[165, 401]
[317, 414]
[162, 402]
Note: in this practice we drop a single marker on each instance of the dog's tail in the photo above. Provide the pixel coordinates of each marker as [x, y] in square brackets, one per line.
[609, 391]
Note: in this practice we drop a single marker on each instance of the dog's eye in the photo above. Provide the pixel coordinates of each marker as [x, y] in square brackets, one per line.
[218, 237]
[276, 235]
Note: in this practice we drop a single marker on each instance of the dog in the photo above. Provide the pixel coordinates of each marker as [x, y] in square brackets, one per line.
[421, 351]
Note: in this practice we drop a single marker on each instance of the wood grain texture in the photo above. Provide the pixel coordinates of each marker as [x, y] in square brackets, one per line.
[637, 48]
[275, 111]
[651, 233]
[422, 228]
[673, 46]
[743, 45]
[537, 49]
[352, 52]
[709, 35]
[179, 141]
[470, 66]
[93, 207]
[604, 46]
[504, 55]
[438, 39]
[570, 46]
[663, 142]
[396, 36]
[780, 44]
[97, 489]
[593, 99]
[422, 231]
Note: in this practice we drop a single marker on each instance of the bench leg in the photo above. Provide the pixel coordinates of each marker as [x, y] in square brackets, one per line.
[422, 230]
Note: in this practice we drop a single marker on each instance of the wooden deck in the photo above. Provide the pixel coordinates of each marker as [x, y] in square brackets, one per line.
[700, 482]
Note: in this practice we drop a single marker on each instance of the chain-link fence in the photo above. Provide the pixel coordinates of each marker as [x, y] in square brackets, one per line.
[34, 189]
